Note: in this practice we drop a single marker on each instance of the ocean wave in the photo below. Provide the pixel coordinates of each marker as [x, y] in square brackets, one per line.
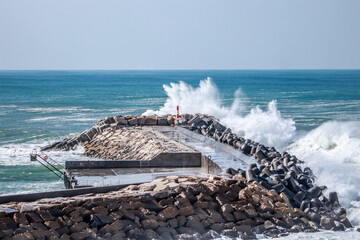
[55, 109]
[332, 150]
[265, 126]
[8, 106]
[43, 119]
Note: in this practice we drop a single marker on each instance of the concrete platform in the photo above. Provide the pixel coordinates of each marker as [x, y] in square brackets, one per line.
[119, 176]
[209, 156]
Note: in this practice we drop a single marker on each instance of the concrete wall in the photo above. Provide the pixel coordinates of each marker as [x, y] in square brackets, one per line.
[28, 197]
[173, 160]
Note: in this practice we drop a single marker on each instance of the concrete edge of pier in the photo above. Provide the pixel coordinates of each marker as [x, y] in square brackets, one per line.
[28, 197]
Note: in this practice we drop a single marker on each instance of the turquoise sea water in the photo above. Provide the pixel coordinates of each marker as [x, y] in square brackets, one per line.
[316, 114]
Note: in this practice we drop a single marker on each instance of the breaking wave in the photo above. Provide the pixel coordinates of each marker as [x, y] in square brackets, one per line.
[332, 150]
[265, 126]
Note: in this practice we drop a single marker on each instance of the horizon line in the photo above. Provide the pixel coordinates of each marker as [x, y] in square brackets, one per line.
[200, 69]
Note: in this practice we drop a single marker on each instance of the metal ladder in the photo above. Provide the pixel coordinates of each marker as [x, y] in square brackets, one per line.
[49, 163]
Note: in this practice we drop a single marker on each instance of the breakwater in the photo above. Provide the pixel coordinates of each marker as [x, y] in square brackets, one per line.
[166, 208]
[274, 171]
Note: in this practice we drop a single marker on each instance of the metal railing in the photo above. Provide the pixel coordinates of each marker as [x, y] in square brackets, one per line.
[49, 163]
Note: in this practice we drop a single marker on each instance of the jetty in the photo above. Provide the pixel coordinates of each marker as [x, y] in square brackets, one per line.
[173, 177]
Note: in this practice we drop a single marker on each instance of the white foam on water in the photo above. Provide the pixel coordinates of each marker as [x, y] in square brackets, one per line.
[55, 109]
[18, 154]
[332, 150]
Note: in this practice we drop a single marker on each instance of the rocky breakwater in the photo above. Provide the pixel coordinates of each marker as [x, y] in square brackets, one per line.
[201, 207]
[273, 170]
[109, 125]
[281, 172]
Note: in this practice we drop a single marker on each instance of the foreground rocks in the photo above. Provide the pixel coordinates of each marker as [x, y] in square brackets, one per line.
[167, 208]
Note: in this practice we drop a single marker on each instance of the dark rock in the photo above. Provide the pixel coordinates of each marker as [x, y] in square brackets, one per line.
[250, 176]
[246, 148]
[196, 225]
[346, 222]
[333, 199]
[327, 222]
[231, 171]
[315, 192]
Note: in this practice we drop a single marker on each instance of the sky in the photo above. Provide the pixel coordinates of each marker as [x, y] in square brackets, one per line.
[187, 34]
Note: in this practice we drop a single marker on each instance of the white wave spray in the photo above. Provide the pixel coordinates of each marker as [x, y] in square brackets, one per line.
[332, 150]
[267, 127]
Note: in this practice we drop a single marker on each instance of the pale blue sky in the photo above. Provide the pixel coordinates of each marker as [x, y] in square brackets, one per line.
[168, 34]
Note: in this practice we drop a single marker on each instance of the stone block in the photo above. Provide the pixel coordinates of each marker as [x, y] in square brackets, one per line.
[150, 121]
[162, 121]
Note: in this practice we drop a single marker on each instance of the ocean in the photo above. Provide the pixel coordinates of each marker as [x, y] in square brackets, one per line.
[313, 114]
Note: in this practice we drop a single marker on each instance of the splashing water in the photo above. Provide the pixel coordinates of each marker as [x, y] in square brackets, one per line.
[267, 127]
[332, 150]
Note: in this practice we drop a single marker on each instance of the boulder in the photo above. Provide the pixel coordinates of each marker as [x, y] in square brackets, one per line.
[150, 121]
[162, 121]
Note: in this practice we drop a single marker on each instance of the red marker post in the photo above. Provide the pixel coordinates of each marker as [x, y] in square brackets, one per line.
[177, 115]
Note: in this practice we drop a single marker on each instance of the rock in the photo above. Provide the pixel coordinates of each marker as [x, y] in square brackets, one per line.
[227, 208]
[56, 212]
[78, 227]
[239, 215]
[153, 206]
[327, 222]
[150, 121]
[250, 212]
[346, 222]
[218, 227]
[149, 223]
[33, 217]
[214, 215]
[173, 223]
[133, 122]
[196, 225]
[20, 218]
[231, 171]
[170, 120]
[52, 224]
[121, 120]
[228, 217]
[141, 121]
[23, 236]
[268, 225]
[151, 234]
[162, 121]
[186, 211]
[114, 227]
[333, 199]
[170, 212]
